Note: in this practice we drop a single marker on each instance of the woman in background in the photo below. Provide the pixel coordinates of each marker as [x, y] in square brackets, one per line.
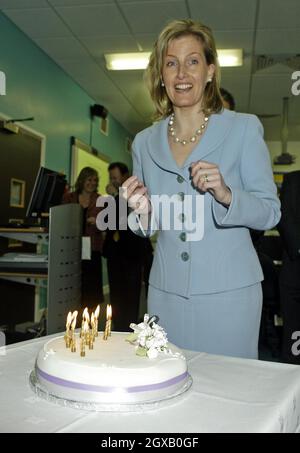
[86, 195]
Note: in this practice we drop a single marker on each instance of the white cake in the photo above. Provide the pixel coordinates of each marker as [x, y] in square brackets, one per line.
[112, 372]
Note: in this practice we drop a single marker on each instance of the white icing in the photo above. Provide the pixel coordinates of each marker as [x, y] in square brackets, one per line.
[112, 363]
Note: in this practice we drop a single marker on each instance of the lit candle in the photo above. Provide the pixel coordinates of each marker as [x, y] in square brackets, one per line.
[73, 326]
[93, 327]
[83, 339]
[108, 320]
[91, 335]
[67, 334]
[85, 314]
[97, 312]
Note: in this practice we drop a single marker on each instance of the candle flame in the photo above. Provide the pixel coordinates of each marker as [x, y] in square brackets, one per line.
[86, 315]
[74, 322]
[93, 319]
[108, 312]
[97, 311]
[69, 320]
[85, 326]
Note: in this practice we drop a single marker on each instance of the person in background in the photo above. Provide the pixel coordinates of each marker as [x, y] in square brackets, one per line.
[86, 194]
[205, 282]
[268, 337]
[289, 228]
[126, 256]
[227, 99]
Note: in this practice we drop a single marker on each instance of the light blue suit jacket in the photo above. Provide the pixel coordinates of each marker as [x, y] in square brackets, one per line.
[224, 259]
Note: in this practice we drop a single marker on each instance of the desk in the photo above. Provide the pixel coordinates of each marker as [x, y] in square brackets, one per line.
[227, 395]
[61, 274]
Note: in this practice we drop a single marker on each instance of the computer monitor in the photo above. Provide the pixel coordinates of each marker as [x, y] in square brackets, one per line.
[47, 192]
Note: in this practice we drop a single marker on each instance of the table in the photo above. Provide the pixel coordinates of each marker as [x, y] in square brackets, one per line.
[228, 395]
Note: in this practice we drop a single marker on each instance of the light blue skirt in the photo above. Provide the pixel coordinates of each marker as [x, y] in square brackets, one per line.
[224, 323]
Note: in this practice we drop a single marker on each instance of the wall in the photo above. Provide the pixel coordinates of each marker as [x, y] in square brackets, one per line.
[36, 86]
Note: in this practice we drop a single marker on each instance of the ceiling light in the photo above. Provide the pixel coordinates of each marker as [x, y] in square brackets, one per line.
[123, 61]
[230, 57]
[139, 60]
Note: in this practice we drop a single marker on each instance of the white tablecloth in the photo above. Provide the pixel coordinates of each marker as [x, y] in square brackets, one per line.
[227, 395]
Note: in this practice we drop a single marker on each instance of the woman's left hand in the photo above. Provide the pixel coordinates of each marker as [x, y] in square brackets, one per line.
[207, 177]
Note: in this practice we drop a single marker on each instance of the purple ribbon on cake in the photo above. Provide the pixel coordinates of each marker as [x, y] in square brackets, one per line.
[106, 389]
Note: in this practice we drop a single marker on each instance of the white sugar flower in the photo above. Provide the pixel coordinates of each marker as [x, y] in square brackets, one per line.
[149, 337]
[152, 353]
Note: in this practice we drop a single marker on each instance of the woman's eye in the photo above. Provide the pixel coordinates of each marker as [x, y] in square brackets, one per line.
[194, 61]
[170, 63]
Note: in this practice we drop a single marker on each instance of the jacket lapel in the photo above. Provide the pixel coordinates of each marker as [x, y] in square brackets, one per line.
[218, 128]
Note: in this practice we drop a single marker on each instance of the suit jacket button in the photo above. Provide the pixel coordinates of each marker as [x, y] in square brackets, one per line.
[182, 217]
[185, 256]
[183, 236]
[180, 179]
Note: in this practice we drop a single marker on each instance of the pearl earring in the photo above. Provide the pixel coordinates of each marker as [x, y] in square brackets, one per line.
[162, 83]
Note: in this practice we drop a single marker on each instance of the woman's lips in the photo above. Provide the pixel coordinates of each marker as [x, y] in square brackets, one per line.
[183, 87]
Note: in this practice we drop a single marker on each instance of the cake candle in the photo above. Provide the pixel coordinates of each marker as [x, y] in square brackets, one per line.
[73, 326]
[109, 319]
[85, 314]
[83, 339]
[96, 316]
[105, 333]
[67, 334]
[93, 327]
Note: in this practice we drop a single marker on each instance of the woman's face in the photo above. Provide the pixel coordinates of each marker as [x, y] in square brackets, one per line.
[185, 71]
[90, 184]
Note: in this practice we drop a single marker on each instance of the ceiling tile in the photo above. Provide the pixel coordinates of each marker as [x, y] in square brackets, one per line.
[97, 46]
[225, 15]
[38, 23]
[279, 14]
[235, 39]
[61, 47]
[151, 17]
[277, 42]
[78, 2]
[146, 40]
[94, 20]
[23, 4]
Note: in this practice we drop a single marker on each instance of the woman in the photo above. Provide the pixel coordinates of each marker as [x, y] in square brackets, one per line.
[214, 166]
[86, 195]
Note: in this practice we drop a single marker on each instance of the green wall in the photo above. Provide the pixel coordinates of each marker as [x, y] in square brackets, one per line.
[37, 86]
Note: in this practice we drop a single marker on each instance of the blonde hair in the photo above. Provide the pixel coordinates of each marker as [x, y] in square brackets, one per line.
[153, 75]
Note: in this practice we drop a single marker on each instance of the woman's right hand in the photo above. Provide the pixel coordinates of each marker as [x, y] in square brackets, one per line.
[136, 195]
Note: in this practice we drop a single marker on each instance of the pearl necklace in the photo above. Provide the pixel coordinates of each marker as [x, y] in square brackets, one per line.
[193, 138]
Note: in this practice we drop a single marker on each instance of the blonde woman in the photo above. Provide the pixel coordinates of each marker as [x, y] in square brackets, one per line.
[204, 286]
